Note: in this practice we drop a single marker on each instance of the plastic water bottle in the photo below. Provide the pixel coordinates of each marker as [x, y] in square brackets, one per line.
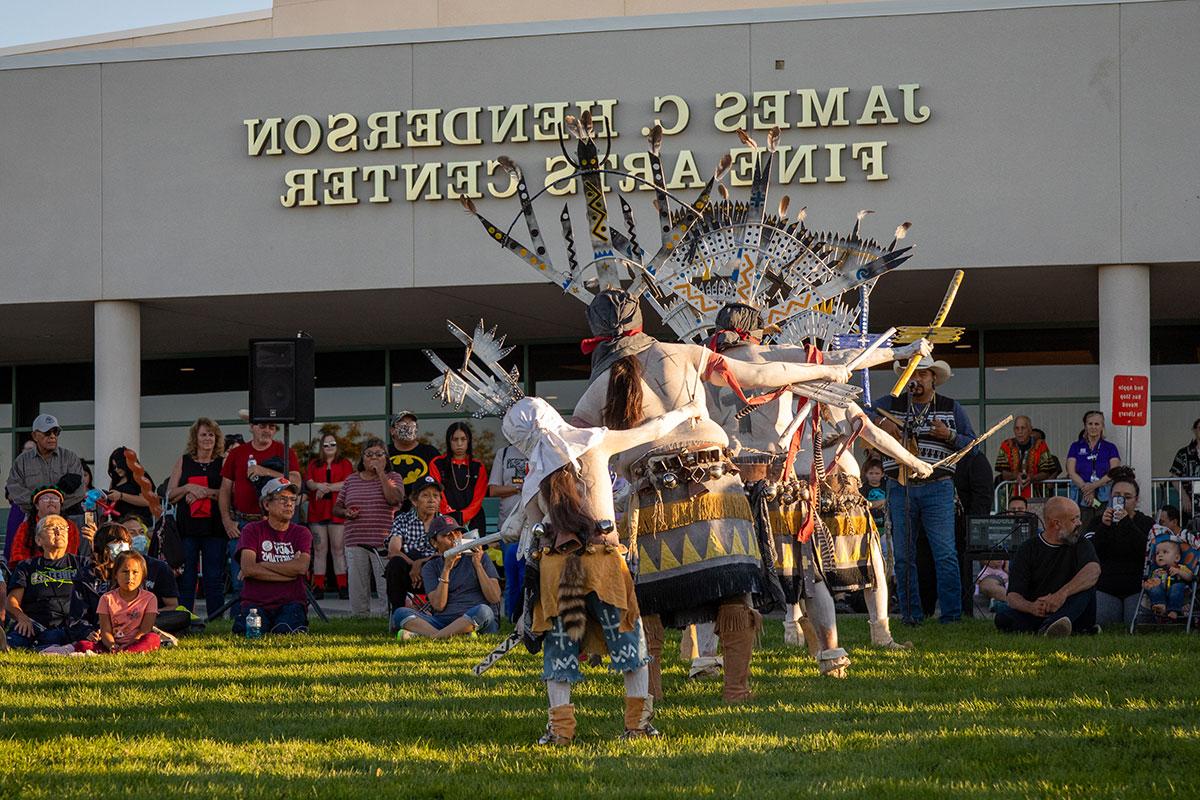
[251, 462]
[253, 625]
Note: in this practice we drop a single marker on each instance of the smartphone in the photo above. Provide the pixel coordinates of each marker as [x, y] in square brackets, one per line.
[89, 518]
[1118, 503]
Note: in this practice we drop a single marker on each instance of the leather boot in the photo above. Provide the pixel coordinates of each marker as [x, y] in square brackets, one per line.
[737, 625]
[560, 730]
[638, 713]
[653, 630]
[881, 636]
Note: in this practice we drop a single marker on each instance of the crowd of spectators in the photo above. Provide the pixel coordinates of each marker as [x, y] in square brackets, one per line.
[248, 540]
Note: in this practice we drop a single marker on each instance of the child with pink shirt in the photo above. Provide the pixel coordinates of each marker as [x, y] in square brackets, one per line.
[127, 613]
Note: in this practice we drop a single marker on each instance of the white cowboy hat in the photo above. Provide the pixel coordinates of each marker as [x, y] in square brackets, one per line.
[941, 370]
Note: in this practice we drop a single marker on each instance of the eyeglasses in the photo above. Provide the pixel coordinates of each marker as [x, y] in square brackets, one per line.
[290, 499]
[374, 454]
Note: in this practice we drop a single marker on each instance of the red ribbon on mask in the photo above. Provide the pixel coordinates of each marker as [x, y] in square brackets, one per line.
[588, 345]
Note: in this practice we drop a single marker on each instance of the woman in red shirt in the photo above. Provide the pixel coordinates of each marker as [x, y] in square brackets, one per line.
[323, 478]
[464, 478]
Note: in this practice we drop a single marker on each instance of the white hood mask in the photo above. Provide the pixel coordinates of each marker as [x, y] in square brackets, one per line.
[547, 439]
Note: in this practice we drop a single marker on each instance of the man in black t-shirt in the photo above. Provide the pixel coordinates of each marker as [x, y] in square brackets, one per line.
[1052, 578]
[410, 458]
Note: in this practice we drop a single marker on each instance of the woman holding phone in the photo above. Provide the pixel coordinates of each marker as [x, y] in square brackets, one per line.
[1120, 535]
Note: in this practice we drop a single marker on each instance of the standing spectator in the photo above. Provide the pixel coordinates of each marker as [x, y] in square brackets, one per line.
[464, 478]
[940, 427]
[274, 553]
[195, 486]
[1120, 536]
[1187, 465]
[507, 476]
[408, 544]
[368, 501]
[43, 598]
[131, 489]
[461, 591]
[323, 478]
[973, 484]
[47, 501]
[411, 458]
[241, 484]
[1088, 463]
[1056, 469]
[1051, 583]
[1023, 460]
[45, 464]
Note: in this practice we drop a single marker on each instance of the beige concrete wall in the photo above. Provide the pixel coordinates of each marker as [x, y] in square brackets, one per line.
[315, 17]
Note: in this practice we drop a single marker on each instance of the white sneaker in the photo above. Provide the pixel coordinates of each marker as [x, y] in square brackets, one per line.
[793, 636]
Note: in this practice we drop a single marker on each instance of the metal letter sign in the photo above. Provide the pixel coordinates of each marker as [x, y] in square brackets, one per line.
[1131, 396]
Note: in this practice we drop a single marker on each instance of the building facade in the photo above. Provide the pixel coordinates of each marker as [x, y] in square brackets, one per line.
[161, 205]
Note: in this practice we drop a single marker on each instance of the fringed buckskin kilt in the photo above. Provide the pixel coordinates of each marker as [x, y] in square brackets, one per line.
[605, 574]
[843, 541]
[695, 548]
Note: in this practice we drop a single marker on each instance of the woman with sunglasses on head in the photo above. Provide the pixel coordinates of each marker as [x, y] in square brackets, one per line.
[323, 477]
[368, 501]
[464, 478]
[194, 486]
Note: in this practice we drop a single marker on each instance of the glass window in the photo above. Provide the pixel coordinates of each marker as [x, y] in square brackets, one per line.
[64, 390]
[187, 407]
[160, 449]
[1175, 344]
[1039, 346]
[1171, 429]
[1062, 380]
[1175, 379]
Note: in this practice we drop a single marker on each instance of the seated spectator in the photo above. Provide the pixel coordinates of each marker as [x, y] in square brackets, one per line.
[127, 613]
[47, 500]
[408, 546]
[1052, 579]
[44, 604]
[274, 554]
[461, 591]
[109, 542]
[1119, 536]
[991, 587]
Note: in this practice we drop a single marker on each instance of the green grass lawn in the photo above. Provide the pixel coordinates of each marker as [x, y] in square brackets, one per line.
[347, 712]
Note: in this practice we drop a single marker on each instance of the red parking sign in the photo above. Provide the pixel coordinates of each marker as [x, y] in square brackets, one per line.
[1131, 399]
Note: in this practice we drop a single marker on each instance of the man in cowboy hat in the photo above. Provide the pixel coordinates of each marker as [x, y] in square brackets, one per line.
[934, 427]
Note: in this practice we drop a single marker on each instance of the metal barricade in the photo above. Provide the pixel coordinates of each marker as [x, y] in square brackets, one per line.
[1163, 491]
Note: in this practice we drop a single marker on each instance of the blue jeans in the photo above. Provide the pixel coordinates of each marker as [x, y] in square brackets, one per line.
[288, 618]
[931, 506]
[1079, 608]
[482, 616]
[45, 637]
[626, 651]
[514, 577]
[208, 551]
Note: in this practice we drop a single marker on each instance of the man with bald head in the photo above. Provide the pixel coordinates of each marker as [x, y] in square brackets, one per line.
[1024, 459]
[1052, 578]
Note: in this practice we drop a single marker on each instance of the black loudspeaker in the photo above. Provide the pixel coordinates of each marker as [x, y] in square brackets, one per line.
[281, 380]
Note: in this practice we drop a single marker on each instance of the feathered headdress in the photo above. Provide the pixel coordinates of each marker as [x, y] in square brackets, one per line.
[711, 252]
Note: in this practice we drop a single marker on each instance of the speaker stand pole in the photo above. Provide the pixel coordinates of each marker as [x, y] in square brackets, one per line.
[287, 461]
